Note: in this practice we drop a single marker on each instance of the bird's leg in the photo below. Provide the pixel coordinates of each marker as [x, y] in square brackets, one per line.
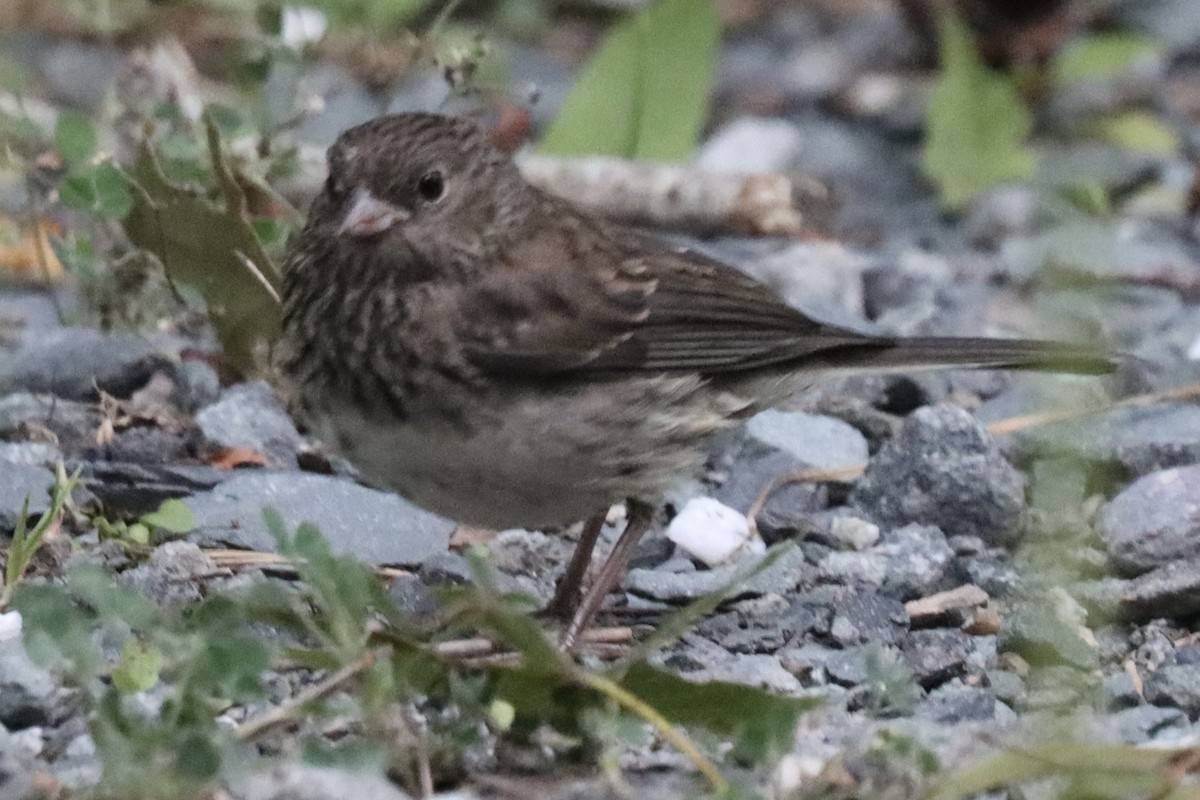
[640, 517]
[570, 585]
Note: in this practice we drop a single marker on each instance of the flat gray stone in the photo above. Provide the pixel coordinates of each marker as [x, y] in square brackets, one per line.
[72, 363]
[819, 441]
[781, 577]
[18, 482]
[373, 526]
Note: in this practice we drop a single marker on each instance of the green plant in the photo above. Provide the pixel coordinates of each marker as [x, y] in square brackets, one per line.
[975, 124]
[172, 516]
[25, 542]
[644, 93]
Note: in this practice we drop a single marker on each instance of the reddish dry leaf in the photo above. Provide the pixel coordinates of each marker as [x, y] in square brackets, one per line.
[31, 259]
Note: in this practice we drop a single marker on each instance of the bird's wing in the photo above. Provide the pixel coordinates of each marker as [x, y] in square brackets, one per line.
[609, 310]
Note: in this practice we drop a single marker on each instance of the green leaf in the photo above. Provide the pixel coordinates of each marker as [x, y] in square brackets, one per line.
[99, 189]
[644, 93]
[138, 669]
[172, 516]
[211, 247]
[763, 724]
[1101, 56]
[975, 125]
[1142, 132]
[74, 137]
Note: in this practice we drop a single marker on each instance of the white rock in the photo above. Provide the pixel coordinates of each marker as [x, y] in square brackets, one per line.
[302, 25]
[10, 625]
[713, 532]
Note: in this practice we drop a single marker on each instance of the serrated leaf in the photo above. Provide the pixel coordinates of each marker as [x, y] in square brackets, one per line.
[1101, 56]
[975, 124]
[172, 516]
[763, 724]
[75, 137]
[644, 93]
[138, 668]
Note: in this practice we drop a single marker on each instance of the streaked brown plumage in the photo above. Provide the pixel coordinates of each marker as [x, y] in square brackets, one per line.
[506, 360]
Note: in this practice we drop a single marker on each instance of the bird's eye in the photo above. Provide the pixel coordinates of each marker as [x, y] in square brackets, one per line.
[431, 186]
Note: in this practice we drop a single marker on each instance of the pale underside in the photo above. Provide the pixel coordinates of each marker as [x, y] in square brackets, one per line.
[535, 459]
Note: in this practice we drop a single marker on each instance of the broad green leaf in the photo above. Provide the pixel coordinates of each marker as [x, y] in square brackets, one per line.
[763, 724]
[1100, 56]
[172, 516]
[138, 669]
[210, 246]
[975, 125]
[1142, 132]
[644, 93]
[74, 137]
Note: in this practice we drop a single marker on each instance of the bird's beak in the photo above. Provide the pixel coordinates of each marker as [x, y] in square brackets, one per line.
[368, 215]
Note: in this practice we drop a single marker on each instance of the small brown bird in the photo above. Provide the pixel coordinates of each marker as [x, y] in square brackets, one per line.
[506, 360]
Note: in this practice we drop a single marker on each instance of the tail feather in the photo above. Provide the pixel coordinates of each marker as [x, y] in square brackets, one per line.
[936, 351]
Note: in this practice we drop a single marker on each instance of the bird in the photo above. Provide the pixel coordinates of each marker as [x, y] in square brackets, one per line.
[504, 359]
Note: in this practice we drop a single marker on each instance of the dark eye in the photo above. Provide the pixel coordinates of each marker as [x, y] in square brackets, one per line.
[431, 186]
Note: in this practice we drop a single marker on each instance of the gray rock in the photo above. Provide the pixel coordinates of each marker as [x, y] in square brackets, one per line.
[936, 655]
[1118, 691]
[69, 421]
[1171, 591]
[818, 441]
[954, 703]
[944, 470]
[28, 693]
[849, 667]
[1138, 440]
[250, 415]
[72, 363]
[170, 575]
[18, 483]
[374, 526]
[1142, 723]
[136, 489]
[1034, 633]
[297, 781]
[701, 661]
[1175, 685]
[751, 144]
[781, 577]
[788, 508]
[852, 568]
[1007, 686]
[917, 558]
[868, 616]
[1154, 521]
[30, 453]
[197, 385]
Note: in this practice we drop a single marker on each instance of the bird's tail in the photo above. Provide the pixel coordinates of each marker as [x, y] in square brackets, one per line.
[935, 351]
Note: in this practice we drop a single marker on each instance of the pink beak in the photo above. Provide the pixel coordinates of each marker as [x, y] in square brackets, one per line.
[369, 216]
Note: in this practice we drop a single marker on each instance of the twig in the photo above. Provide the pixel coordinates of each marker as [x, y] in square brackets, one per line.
[675, 737]
[232, 559]
[252, 729]
[479, 647]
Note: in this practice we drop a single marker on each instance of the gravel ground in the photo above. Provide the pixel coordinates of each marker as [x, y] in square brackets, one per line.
[1013, 577]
